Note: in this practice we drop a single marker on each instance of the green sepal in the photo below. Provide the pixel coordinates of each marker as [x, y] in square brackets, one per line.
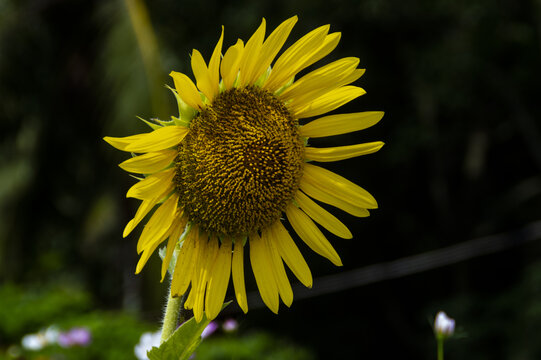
[152, 125]
[261, 80]
[183, 342]
[185, 112]
[180, 122]
[288, 84]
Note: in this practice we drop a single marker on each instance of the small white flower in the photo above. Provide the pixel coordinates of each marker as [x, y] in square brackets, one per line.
[33, 342]
[147, 341]
[444, 325]
[51, 334]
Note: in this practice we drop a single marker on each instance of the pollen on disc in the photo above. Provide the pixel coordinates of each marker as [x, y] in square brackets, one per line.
[240, 164]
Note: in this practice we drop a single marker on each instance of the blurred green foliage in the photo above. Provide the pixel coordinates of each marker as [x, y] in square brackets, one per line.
[29, 310]
[251, 346]
[25, 310]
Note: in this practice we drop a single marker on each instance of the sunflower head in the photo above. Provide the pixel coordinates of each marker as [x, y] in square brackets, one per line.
[240, 164]
[223, 173]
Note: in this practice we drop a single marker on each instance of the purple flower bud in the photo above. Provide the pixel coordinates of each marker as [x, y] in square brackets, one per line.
[211, 327]
[77, 336]
[230, 325]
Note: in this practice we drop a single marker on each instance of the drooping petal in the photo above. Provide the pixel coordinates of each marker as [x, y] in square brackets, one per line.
[330, 101]
[290, 253]
[340, 124]
[186, 262]
[322, 216]
[149, 250]
[142, 211]
[218, 280]
[198, 263]
[159, 223]
[160, 139]
[284, 287]
[175, 237]
[231, 63]
[187, 90]
[237, 271]
[264, 276]
[149, 163]
[210, 253]
[311, 235]
[341, 152]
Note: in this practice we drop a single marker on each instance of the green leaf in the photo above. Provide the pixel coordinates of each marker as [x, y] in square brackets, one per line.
[183, 342]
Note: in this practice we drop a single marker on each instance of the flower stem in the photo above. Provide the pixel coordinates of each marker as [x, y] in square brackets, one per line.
[171, 317]
[440, 348]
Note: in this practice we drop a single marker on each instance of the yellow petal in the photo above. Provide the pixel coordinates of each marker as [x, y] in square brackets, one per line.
[175, 237]
[329, 44]
[231, 63]
[284, 287]
[340, 124]
[251, 56]
[121, 143]
[330, 101]
[264, 276]
[214, 66]
[272, 46]
[322, 77]
[322, 216]
[211, 252]
[311, 235]
[159, 223]
[315, 90]
[327, 197]
[218, 280]
[160, 139]
[149, 163]
[202, 76]
[153, 185]
[197, 263]
[186, 262]
[341, 152]
[237, 270]
[339, 186]
[295, 58]
[145, 208]
[290, 253]
[142, 211]
[149, 251]
[187, 90]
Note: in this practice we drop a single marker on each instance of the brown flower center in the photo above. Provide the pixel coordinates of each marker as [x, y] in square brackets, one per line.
[240, 164]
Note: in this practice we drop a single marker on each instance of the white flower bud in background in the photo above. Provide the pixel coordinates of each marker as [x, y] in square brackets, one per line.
[444, 326]
[147, 341]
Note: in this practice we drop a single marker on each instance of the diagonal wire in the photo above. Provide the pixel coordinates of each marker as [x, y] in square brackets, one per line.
[412, 264]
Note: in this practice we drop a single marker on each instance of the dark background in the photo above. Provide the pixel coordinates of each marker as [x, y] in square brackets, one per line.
[458, 81]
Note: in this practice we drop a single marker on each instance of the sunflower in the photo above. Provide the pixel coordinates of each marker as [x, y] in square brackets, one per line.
[224, 171]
